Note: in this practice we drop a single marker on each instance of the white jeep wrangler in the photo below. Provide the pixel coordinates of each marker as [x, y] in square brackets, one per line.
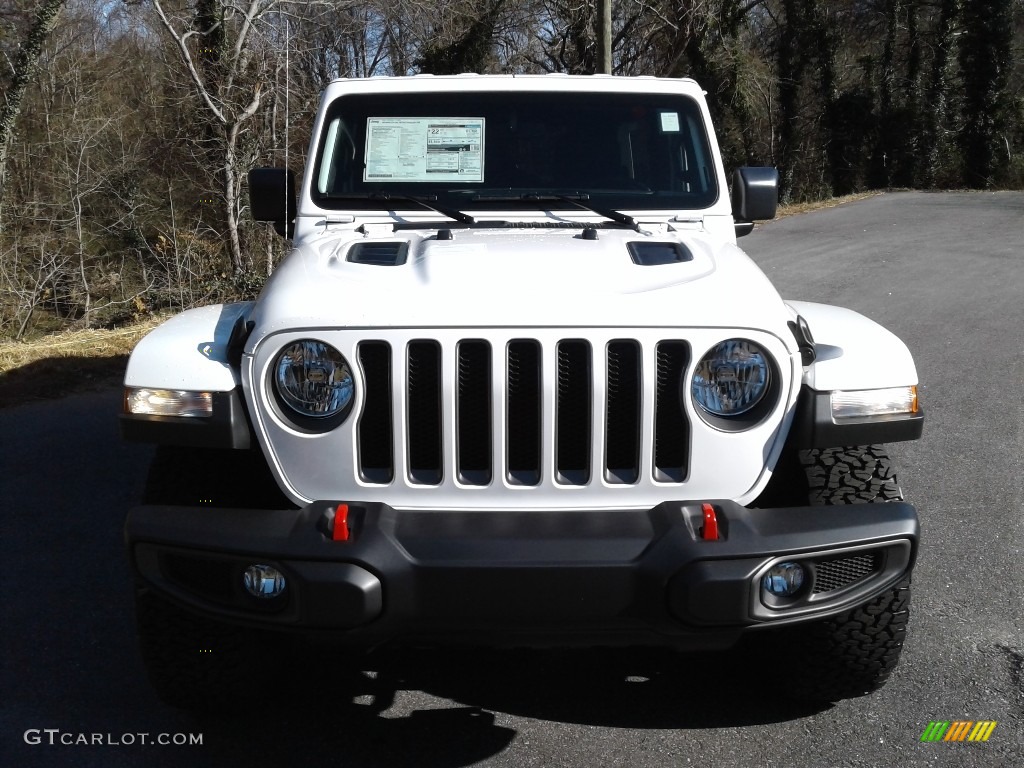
[516, 385]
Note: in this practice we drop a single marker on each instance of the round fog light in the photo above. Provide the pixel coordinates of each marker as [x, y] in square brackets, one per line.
[264, 581]
[784, 579]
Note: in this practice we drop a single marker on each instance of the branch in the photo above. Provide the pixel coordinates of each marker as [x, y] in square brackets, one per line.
[180, 41]
[257, 8]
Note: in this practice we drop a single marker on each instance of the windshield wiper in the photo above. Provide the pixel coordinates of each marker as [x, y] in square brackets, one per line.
[427, 201]
[527, 197]
[608, 213]
[616, 216]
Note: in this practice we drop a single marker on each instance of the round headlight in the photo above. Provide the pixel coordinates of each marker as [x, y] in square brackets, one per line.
[732, 378]
[313, 379]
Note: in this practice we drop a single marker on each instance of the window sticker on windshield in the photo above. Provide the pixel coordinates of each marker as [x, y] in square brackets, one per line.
[424, 149]
[669, 122]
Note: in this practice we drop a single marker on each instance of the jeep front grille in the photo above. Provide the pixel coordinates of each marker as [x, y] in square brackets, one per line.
[509, 384]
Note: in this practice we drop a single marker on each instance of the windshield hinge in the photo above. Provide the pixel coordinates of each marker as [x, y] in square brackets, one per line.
[379, 229]
[652, 228]
[338, 219]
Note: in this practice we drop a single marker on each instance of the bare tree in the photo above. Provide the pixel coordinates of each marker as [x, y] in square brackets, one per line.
[24, 69]
[230, 78]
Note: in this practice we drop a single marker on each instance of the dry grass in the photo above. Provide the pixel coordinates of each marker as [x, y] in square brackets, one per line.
[796, 208]
[87, 343]
[67, 362]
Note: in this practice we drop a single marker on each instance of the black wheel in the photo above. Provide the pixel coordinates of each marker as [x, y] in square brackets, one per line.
[195, 662]
[855, 652]
[208, 477]
[848, 655]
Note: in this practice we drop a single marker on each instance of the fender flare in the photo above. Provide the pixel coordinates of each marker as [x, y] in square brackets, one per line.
[851, 352]
[189, 351]
[199, 351]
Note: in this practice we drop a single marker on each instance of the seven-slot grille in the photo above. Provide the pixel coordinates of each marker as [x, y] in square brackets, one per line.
[549, 407]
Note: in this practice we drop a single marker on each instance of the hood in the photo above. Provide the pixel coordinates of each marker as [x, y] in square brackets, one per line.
[518, 278]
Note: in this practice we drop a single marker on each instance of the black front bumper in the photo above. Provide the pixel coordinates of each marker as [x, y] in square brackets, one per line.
[538, 577]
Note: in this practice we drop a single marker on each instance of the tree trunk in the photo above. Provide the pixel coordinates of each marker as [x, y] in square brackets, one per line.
[231, 198]
[914, 98]
[24, 69]
[604, 36]
[985, 60]
[886, 153]
[938, 92]
[791, 69]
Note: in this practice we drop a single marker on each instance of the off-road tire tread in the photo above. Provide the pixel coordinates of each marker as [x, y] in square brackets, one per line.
[850, 475]
[194, 662]
[851, 654]
[235, 479]
[855, 652]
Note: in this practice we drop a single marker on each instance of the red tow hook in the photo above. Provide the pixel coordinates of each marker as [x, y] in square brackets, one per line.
[710, 529]
[340, 531]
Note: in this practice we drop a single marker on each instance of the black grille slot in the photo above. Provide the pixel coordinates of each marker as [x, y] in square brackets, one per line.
[840, 572]
[376, 431]
[573, 413]
[424, 402]
[671, 429]
[474, 413]
[622, 415]
[524, 412]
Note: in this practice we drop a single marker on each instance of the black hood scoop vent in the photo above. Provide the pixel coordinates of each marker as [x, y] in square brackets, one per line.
[648, 254]
[381, 254]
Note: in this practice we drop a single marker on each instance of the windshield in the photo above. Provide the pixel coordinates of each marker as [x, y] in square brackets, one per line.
[474, 151]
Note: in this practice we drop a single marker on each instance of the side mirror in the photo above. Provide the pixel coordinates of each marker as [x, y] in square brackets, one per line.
[755, 197]
[272, 198]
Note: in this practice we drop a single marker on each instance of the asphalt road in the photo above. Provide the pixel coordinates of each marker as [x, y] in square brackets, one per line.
[943, 271]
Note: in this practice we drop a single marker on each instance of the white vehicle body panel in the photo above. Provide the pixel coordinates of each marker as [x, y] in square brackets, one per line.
[188, 352]
[853, 352]
[507, 278]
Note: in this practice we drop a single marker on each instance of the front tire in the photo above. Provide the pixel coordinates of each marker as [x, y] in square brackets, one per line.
[195, 477]
[195, 662]
[851, 654]
[854, 475]
[855, 652]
